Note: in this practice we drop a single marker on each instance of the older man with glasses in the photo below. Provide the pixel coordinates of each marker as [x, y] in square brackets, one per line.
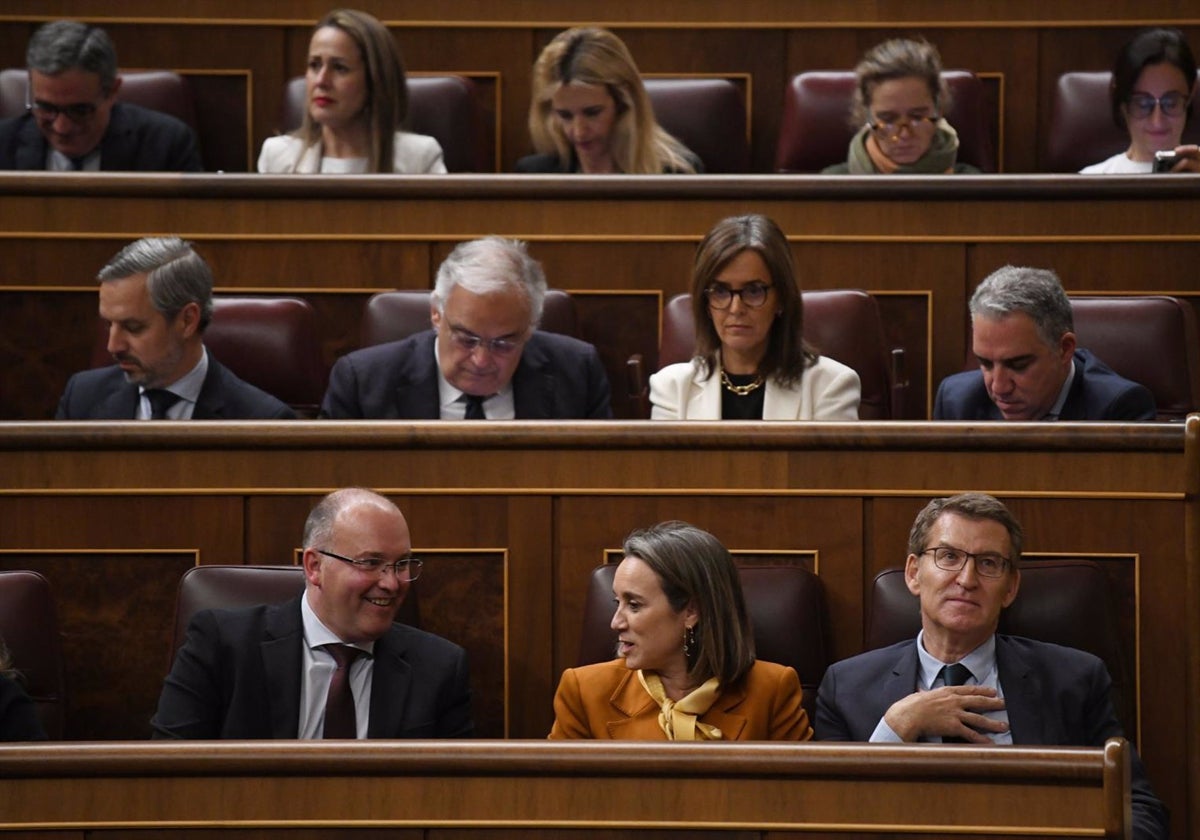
[332, 663]
[961, 681]
[484, 359]
[73, 121]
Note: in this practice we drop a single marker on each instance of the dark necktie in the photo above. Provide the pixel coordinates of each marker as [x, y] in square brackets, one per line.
[475, 407]
[340, 721]
[78, 162]
[956, 674]
[160, 400]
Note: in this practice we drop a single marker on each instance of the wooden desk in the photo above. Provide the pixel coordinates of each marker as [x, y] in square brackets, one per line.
[485, 789]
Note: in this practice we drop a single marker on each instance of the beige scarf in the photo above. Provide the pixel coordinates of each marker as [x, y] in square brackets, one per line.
[678, 718]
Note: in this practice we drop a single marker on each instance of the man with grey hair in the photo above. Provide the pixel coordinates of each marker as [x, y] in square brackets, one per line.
[1030, 368]
[73, 121]
[156, 297]
[332, 662]
[484, 359]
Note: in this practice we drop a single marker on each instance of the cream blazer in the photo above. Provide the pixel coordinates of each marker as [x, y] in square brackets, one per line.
[828, 391]
[415, 154]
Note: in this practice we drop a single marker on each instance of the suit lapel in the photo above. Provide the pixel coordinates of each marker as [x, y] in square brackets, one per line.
[704, 397]
[282, 659]
[121, 404]
[391, 682]
[210, 403]
[116, 150]
[723, 716]
[533, 384]
[1022, 692]
[781, 403]
[31, 147]
[629, 700]
[903, 679]
[416, 396]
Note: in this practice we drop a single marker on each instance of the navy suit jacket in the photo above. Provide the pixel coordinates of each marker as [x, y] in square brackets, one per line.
[104, 394]
[558, 377]
[19, 719]
[1097, 393]
[137, 140]
[238, 675]
[1054, 695]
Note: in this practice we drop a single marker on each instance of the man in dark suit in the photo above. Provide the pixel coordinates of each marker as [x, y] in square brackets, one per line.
[156, 296]
[484, 358]
[959, 680]
[1023, 335]
[331, 663]
[74, 121]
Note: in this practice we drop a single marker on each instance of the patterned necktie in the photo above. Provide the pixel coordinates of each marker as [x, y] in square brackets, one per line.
[340, 721]
[475, 407]
[956, 674]
[160, 401]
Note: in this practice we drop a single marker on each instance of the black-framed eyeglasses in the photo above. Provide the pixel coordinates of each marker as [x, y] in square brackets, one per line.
[406, 569]
[76, 112]
[470, 342]
[891, 126]
[951, 559]
[1173, 104]
[753, 295]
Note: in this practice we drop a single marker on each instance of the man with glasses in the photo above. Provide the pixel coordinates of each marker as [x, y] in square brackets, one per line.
[485, 359]
[73, 121]
[331, 663]
[961, 681]
[1030, 368]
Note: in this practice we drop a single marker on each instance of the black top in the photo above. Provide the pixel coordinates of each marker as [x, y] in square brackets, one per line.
[18, 716]
[739, 406]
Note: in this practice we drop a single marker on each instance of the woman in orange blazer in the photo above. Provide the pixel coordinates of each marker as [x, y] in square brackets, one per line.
[686, 669]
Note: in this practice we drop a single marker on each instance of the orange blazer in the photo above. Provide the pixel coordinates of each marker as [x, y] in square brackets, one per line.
[606, 701]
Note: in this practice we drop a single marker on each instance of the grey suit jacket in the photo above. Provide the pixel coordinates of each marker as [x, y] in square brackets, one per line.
[558, 377]
[238, 675]
[104, 394]
[1054, 695]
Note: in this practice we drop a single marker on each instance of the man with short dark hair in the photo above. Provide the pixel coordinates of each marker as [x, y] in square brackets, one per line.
[156, 295]
[73, 121]
[960, 680]
[331, 663]
[1030, 368]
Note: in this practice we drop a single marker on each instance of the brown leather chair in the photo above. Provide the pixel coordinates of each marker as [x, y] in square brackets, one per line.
[271, 342]
[787, 609]
[706, 115]
[234, 587]
[1082, 131]
[1066, 602]
[444, 107]
[816, 132]
[843, 324]
[391, 316]
[29, 628]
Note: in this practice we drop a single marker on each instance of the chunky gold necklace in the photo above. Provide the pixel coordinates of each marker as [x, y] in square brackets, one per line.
[741, 390]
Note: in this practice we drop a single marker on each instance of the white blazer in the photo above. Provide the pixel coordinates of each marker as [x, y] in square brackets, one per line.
[828, 391]
[415, 154]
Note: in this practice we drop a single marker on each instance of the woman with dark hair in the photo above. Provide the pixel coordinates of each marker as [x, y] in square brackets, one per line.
[590, 113]
[356, 101]
[1153, 81]
[751, 360]
[18, 717]
[685, 669]
[899, 102]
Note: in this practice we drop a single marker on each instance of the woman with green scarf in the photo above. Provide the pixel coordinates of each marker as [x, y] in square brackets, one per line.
[899, 100]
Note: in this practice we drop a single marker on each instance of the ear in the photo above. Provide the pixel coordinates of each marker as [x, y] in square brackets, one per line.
[116, 86]
[691, 615]
[1066, 346]
[312, 567]
[435, 317]
[911, 566]
[189, 319]
[1014, 584]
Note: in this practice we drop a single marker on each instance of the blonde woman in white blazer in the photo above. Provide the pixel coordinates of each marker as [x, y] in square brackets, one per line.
[356, 99]
[751, 362]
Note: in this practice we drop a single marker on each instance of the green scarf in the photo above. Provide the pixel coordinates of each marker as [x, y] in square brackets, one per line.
[938, 160]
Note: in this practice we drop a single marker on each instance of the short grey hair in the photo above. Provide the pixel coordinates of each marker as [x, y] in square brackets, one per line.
[318, 528]
[175, 274]
[979, 506]
[1035, 291]
[492, 264]
[68, 44]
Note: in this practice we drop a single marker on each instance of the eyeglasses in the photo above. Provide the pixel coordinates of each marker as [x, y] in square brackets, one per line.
[753, 295]
[468, 341]
[891, 126]
[952, 559]
[1172, 103]
[406, 569]
[77, 112]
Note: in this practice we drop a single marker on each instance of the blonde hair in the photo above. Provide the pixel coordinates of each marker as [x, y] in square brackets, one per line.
[387, 87]
[594, 56]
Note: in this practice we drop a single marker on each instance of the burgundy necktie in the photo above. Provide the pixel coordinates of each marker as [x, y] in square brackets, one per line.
[339, 703]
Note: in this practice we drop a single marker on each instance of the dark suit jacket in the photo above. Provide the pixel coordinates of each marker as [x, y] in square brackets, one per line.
[558, 377]
[1054, 695]
[238, 675]
[1097, 393]
[103, 394]
[18, 716]
[137, 140]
